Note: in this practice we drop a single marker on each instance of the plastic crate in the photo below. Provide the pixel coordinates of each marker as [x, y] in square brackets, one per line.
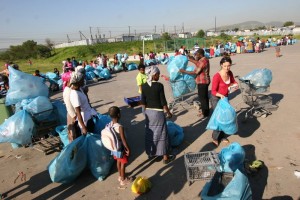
[201, 165]
[133, 101]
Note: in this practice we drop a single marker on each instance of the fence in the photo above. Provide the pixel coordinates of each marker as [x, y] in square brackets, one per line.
[172, 45]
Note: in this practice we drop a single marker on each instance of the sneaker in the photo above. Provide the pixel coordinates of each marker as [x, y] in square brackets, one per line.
[170, 159]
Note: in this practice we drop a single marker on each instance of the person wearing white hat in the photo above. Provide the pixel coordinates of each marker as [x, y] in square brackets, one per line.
[80, 102]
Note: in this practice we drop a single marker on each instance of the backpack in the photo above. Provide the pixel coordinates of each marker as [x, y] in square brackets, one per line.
[110, 138]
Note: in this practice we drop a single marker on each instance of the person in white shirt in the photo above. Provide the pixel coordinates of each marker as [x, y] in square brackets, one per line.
[71, 115]
[79, 100]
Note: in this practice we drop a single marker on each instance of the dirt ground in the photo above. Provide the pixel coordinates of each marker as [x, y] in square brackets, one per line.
[274, 140]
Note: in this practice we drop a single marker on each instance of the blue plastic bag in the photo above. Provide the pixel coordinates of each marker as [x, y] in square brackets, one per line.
[175, 133]
[99, 158]
[190, 81]
[105, 73]
[70, 162]
[179, 62]
[52, 75]
[40, 106]
[90, 75]
[60, 112]
[179, 88]
[231, 157]
[17, 128]
[132, 66]
[89, 68]
[259, 77]
[63, 134]
[100, 122]
[24, 86]
[223, 118]
[237, 189]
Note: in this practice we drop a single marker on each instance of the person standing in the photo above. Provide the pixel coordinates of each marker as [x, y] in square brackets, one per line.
[202, 80]
[141, 78]
[120, 156]
[80, 102]
[154, 103]
[71, 114]
[222, 82]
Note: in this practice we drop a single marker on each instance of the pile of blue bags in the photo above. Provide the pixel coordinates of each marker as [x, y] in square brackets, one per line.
[231, 161]
[223, 118]
[29, 94]
[83, 151]
[92, 73]
[181, 83]
[75, 157]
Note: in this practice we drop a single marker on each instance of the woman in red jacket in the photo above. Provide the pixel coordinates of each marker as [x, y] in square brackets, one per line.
[222, 83]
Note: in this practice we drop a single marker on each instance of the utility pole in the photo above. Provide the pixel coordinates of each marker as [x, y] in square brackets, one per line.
[155, 29]
[129, 30]
[80, 35]
[68, 38]
[91, 33]
[98, 32]
[215, 24]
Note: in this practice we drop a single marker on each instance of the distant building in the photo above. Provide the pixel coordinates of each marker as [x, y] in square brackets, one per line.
[150, 37]
[185, 35]
[296, 31]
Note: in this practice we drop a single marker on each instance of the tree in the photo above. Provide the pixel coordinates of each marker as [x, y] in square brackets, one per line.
[50, 44]
[43, 51]
[288, 23]
[200, 34]
[166, 36]
[236, 29]
[225, 37]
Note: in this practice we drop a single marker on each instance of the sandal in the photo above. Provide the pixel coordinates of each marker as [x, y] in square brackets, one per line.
[215, 142]
[225, 140]
[126, 181]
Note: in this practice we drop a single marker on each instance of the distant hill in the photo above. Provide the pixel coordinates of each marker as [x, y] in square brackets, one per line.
[251, 25]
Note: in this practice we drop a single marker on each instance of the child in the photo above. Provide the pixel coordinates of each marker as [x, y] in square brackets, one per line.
[120, 156]
[141, 78]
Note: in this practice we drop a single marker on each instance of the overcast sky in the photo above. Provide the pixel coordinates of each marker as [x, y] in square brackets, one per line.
[22, 20]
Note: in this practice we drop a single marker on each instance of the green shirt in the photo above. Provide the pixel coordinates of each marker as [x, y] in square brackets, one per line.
[140, 80]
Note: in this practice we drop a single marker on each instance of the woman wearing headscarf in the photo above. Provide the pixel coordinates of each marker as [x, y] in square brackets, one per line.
[154, 103]
[80, 102]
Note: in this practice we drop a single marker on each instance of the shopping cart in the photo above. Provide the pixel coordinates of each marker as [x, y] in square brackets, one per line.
[43, 138]
[186, 100]
[260, 104]
[201, 165]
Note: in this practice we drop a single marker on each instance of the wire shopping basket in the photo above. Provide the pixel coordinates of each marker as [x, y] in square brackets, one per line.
[201, 165]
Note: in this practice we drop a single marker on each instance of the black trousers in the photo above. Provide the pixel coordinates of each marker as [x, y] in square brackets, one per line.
[203, 98]
[90, 125]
